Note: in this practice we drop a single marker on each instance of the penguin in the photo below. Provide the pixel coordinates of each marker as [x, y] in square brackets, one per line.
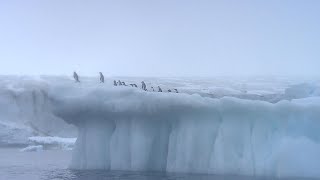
[169, 90]
[115, 83]
[160, 90]
[144, 87]
[119, 83]
[76, 77]
[131, 85]
[152, 88]
[101, 77]
[176, 90]
[135, 85]
[123, 83]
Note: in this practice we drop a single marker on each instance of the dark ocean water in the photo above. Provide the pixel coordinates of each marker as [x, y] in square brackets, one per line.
[53, 165]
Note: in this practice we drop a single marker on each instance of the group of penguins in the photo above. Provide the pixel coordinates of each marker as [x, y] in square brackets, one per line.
[121, 83]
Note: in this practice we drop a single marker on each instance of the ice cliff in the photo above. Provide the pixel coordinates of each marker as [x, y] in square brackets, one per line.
[128, 129]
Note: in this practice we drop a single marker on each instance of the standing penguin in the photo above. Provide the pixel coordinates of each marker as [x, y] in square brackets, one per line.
[144, 87]
[119, 83]
[101, 77]
[160, 90]
[115, 83]
[152, 88]
[76, 77]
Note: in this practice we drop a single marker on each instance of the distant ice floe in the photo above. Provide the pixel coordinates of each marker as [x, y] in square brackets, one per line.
[53, 142]
[303, 90]
[35, 148]
[37, 143]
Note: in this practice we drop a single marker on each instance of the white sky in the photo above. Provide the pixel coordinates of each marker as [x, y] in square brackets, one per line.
[160, 38]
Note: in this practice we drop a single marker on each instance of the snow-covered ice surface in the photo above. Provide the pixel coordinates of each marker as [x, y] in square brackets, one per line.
[219, 125]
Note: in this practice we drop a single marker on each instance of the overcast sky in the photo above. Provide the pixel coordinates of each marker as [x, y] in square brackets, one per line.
[160, 38]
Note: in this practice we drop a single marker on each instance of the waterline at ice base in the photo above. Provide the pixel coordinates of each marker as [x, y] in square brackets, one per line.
[123, 128]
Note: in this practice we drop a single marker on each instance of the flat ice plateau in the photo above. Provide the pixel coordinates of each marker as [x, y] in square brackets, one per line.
[261, 128]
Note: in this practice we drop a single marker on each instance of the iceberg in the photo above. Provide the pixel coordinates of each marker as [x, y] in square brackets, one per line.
[123, 128]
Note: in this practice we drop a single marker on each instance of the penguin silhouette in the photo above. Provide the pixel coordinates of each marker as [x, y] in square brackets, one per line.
[101, 77]
[76, 77]
[169, 90]
[115, 83]
[143, 86]
[176, 90]
[159, 89]
[119, 83]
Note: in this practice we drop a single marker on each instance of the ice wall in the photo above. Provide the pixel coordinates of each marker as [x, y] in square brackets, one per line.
[127, 129]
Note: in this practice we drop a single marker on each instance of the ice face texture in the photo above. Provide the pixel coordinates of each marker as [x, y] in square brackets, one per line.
[124, 128]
